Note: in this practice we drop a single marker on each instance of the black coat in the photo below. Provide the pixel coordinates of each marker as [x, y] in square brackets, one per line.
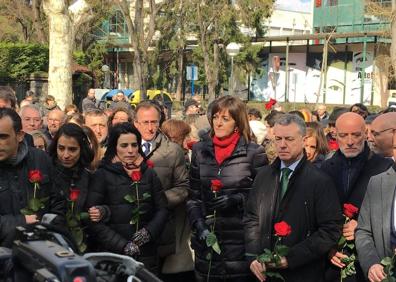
[237, 174]
[80, 177]
[16, 191]
[109, 187]
[76, 178]
[310, 206]
[359, 170]
[351, 177]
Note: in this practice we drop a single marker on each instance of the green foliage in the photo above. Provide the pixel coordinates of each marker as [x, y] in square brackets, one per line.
[211, 242]
[389, 268]
[80, 57]
[18, 61]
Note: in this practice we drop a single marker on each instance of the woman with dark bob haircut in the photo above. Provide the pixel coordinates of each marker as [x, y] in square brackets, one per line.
[128, 185]
[72, 155]
[222, 172]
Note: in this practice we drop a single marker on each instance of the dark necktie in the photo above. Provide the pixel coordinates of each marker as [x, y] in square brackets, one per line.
[146, 148]
[285, 180]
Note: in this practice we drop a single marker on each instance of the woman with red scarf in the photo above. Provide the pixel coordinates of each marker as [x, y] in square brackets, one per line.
[222, 171]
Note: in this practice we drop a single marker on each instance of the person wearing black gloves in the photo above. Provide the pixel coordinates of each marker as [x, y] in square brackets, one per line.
[131, 189]
[221, 175]
[72, 155]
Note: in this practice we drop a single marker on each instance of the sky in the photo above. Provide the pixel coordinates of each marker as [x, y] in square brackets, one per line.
[294, 5]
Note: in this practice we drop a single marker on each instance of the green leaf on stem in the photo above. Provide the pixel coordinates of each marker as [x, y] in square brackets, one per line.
[146, 196]
[282, 250]
[264, 258]
[34, 204]
[216, 248]
[135, 218]
[274, 275]
[351, 246]
[26, 211]
[84, 216]
[341, 242]
[130, 198]
[386, 261]
[211, 241]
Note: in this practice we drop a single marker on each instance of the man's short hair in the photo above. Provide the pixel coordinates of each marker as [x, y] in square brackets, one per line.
[287, 119]
[31, 106]
[255, 112]
[147, 104]
[7, 94]
[13, 115]
[272, 116]
[94, 113]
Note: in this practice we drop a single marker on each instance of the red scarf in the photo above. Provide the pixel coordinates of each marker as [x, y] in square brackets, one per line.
[224, 148]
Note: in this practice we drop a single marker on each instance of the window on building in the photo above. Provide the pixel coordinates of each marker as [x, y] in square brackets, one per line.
[117, 23]
[332, 2]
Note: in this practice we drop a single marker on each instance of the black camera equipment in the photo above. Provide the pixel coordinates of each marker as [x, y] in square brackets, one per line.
[39, 254]
[46, 260]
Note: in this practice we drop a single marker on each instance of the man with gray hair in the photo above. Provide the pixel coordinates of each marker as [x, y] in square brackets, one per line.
[292, 190]
[31, 118]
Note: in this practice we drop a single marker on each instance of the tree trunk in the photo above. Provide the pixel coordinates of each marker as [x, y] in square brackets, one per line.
[393, 36]
[63, 22]
[60, 52]
[180, 66]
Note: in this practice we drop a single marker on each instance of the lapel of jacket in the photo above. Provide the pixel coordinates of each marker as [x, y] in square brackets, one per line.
[388, 182]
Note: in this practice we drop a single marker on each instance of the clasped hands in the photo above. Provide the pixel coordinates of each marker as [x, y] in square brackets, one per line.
[141, 237]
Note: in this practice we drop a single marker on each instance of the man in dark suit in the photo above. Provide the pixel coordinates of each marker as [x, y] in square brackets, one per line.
[351, 167]
[376, 230]
[292, 190]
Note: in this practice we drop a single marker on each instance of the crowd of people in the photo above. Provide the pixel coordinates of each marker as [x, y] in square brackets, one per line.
[201, 197]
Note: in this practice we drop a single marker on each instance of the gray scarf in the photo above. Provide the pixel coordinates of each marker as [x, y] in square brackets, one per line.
[21, 154]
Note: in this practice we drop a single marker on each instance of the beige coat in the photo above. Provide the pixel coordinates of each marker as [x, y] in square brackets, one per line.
[170, 166]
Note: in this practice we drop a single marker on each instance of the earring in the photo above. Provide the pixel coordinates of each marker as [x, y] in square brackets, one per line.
[236, 130]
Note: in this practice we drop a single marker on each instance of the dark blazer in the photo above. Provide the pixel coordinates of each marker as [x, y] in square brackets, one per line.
[310, 206]
[359, 169]
[373, 234]
[355, 174]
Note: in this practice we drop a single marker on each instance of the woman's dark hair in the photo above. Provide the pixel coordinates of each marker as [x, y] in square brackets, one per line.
[114, 134]
[359, 109]
[237, 110]
[76, 132]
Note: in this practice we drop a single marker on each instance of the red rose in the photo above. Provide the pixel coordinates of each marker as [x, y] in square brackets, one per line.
[35, 176]
[136, 176]
[282, 229]
[216, 185]
[149, 163]
[74, 194]
[350, 210]
[270, 104]
[190, 144]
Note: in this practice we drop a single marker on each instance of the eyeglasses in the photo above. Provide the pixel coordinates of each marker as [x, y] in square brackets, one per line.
[149, 122]
[378, 133]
